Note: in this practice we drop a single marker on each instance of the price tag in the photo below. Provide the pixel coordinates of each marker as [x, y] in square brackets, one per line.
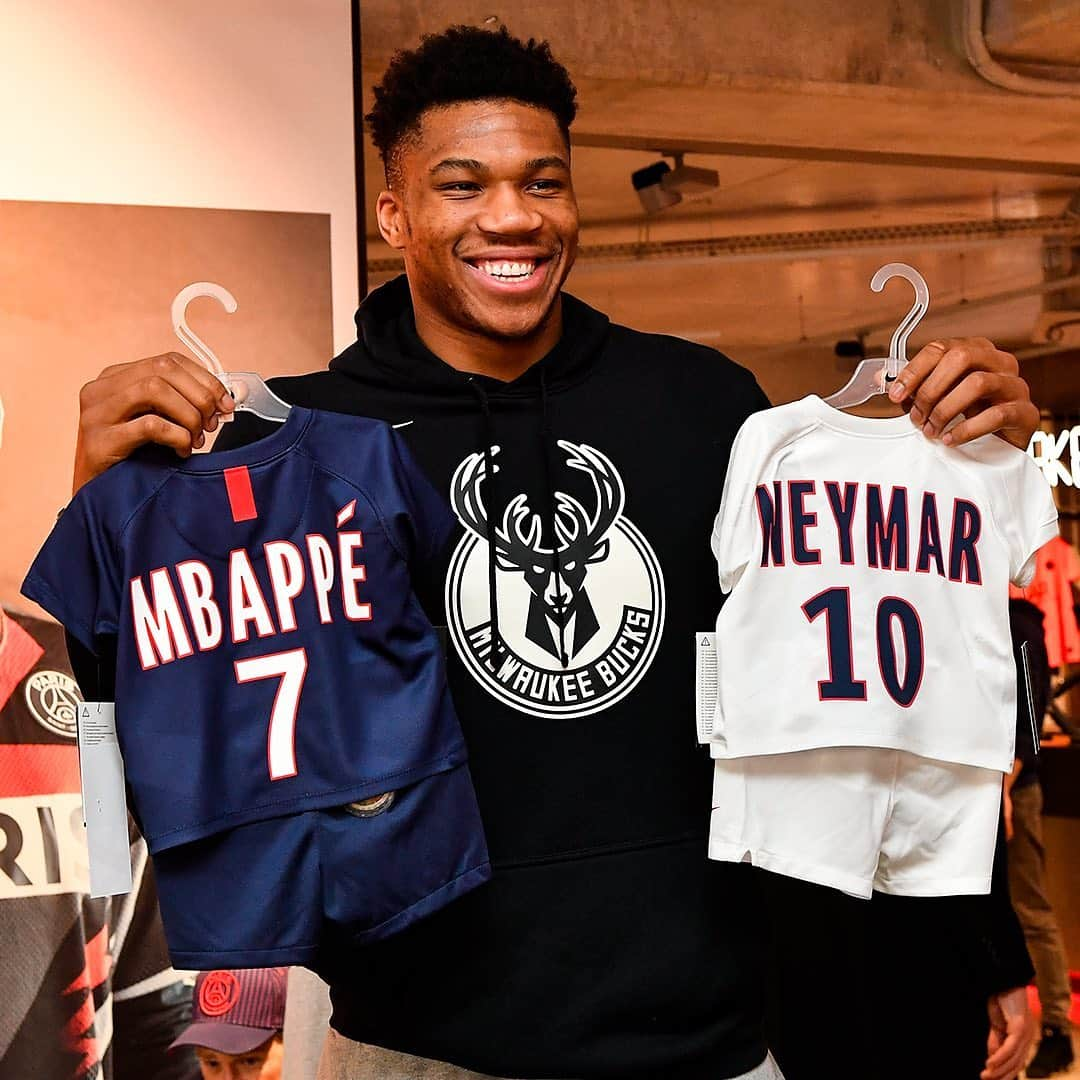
[101, 770]
[706, 686]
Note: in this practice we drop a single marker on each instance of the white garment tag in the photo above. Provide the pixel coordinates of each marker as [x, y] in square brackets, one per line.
[101, 770]
[705, 683]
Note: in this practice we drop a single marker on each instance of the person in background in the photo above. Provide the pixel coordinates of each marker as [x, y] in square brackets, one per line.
[88, 989]
[237, 1020]
[1027, 857]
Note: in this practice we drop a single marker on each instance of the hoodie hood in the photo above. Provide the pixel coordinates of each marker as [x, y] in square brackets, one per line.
[388, 351]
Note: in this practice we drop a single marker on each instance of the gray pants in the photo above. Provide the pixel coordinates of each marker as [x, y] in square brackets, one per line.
[343, 1059]
[1027, 884]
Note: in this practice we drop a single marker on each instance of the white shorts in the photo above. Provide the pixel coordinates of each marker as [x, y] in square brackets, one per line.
[859, 819]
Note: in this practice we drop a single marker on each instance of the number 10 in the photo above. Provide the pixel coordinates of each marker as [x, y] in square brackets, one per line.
[842, 684]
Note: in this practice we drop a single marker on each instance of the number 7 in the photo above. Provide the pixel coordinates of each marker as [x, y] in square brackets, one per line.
[290, 667]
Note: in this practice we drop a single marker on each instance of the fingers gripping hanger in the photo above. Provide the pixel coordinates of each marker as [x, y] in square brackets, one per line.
[247, 388]
[872, 376]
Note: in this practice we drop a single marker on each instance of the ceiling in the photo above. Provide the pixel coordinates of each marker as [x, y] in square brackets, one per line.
[846, 134]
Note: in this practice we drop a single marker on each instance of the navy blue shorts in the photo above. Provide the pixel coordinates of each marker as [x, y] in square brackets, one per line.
[270, 893]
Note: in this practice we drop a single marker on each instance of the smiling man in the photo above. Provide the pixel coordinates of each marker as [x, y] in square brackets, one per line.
[585, 462]
[486, 278]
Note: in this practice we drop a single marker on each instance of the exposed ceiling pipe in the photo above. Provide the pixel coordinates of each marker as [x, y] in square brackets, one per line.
[889, 158]
[1042, 288]
[981, 59]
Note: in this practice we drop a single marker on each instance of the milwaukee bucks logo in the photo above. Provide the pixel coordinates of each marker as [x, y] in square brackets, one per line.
[580, 612]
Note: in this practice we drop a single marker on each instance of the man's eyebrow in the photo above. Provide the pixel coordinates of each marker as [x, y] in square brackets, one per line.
[553, 161]
[455, 164]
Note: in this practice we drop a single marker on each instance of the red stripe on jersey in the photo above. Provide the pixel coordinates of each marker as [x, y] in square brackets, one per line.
[38, 769]
[98, 964]
[79, 1035]
[241, 497]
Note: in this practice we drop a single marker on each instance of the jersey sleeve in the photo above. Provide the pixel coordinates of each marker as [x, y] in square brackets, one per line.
[1032, 518]
[424, 522]
[76, 575]
[733, 536]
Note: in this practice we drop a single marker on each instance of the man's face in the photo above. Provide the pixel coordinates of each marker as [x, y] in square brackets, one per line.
[262, 1063]
[484, 213]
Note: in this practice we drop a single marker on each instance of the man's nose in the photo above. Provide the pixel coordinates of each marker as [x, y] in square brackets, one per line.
[506, 210]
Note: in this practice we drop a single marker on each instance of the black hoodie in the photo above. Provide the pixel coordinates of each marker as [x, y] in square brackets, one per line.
[607, 944]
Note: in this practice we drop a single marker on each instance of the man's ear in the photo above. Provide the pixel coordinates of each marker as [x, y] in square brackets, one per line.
[391, 217]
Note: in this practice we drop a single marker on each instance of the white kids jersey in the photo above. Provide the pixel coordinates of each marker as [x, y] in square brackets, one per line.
[868, 569]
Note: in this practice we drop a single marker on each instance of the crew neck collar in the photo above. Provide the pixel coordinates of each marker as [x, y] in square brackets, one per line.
[277, 442]
[870, 427]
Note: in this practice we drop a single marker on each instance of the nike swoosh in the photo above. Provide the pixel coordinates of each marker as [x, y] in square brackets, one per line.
[404, 423]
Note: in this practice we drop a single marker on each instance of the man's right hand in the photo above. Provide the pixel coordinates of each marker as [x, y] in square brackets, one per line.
[168, 399]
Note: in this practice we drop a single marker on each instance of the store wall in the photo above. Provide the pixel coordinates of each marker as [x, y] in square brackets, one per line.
[85, 285]
[224, 108]
[235, 104]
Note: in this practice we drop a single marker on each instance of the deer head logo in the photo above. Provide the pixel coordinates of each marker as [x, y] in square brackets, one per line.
[555, 575]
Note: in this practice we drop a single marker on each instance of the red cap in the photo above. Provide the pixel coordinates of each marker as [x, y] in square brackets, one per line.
[236, 1010]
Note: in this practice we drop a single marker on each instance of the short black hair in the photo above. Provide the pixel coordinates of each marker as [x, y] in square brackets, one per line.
[466, 63]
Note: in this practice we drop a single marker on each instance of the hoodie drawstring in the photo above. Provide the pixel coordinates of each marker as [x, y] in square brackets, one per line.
[545, 449]
[489, 471]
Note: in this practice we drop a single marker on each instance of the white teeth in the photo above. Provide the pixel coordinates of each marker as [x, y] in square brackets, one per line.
[507, 270]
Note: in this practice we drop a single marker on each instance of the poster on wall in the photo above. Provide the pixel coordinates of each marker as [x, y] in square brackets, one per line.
[85, 286]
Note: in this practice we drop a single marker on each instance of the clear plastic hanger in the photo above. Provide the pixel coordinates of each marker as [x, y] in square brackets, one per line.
[247, 388]
[873, 375]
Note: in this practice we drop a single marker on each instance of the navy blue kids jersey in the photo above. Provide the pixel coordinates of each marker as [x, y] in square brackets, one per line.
[271, 656]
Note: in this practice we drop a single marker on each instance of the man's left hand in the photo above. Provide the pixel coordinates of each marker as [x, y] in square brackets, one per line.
[970, 376]
[1012, 1031]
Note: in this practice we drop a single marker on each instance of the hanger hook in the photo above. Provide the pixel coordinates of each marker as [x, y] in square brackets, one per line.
[898, 344]
[188, 336]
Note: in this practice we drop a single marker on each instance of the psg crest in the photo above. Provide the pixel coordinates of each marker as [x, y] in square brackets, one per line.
[597, 576]
[53, 700]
